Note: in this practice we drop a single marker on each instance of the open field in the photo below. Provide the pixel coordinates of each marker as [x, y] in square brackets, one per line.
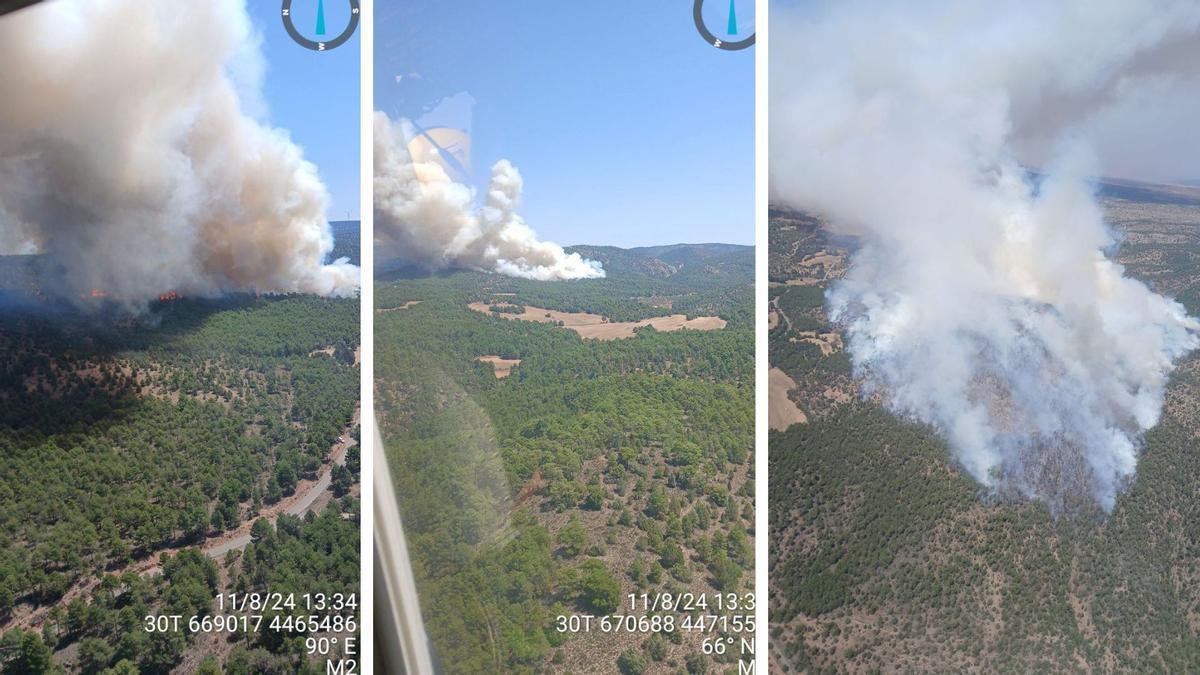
[596, 327]
[783, 411]
[503, 367]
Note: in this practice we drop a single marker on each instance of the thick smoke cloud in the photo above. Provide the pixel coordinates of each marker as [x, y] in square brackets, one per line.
[984, 301]
[130, 156]
[426, 218]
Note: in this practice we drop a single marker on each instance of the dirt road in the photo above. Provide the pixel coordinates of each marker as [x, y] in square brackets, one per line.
[28, 616]
[297, 504]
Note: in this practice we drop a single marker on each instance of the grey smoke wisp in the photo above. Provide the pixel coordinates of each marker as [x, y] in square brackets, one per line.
[132, 154]
[425, 217]
[983, 301]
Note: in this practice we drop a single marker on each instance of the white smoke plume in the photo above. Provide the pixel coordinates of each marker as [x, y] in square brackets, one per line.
[129, 155]
[984, 301]
[423, 216]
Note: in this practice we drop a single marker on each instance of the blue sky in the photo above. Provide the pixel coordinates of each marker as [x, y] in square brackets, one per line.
[628, 128]
[315, 95]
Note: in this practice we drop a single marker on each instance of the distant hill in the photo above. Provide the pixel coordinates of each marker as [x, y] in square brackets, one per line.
[679, 262]
[691, 250]
[23, 277]
[699, 265]
[1149, 193]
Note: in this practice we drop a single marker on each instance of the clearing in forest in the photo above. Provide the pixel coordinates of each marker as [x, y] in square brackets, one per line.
[594, 326]
[782, 411]
[500, 366]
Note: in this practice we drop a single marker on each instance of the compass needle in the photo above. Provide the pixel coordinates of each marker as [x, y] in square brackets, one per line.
[738, 30]
[320, 44]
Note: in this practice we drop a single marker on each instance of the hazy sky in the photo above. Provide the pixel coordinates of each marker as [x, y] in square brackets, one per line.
[627, 127]
[1140, 122]
[315, 95]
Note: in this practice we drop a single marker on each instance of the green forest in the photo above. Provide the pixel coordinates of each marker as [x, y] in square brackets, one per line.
[597, 468]
[106, 631]
[123, 436]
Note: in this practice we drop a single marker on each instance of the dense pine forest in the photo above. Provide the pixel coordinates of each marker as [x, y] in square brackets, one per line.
[581, 471]
[885, 556]
[130, 443]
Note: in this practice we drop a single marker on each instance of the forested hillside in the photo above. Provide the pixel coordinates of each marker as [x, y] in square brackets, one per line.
[128, 443]
[585, 470]
[885, 556]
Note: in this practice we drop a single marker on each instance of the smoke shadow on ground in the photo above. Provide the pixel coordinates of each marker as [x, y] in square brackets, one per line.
[67, 370]
[39, 415]
[30, 288]
[105, 327]
[55, 376]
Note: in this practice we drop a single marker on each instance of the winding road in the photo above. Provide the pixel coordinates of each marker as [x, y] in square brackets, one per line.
[308, 492]
[297, 504]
